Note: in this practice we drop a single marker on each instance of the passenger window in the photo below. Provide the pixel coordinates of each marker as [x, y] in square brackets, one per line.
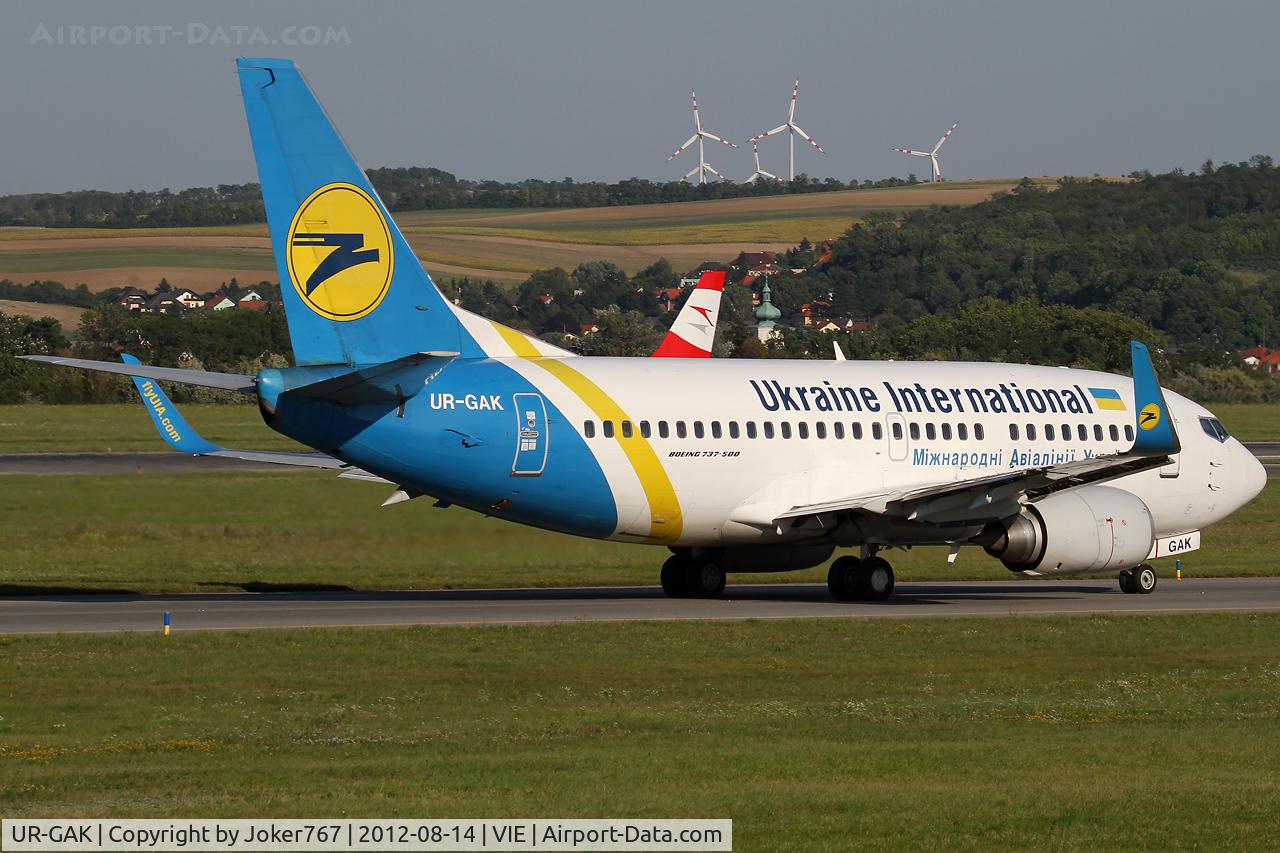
[608, 429]
[663, 430]
[819, 430]
[930, 432]
[733, 429]
[877, 431]
[697, 429]
[626, 429]
[1013, 431]
[1097, 432]
[589, 429]
[897, 431]
[786, 429]
[1048, 432]
[768, 429]
[681, 430]
[946, 432]
[962, 432]
[802, 429]
[715, 429]
[1128, 432]
[857, 431]
[978, 432]
[1115, 433]
[751, 429]
[1066, 432]
[1082, 432]
[837, 430]
[1031, 432]
[645, 432]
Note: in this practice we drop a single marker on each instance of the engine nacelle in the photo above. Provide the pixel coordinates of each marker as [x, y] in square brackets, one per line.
[1089, 529]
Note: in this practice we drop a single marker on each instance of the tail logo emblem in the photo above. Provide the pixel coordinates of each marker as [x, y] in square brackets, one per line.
[1149, 416]
[340, 258]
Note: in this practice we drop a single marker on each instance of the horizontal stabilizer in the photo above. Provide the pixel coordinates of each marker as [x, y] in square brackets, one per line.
[203, 378]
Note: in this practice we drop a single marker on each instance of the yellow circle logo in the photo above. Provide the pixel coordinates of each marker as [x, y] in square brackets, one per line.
[340, 257]
[1149, 416]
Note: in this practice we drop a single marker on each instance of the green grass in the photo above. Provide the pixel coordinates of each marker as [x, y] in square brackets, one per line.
[127, 427]
[1250, 421]
[144, 256]
[1071, 733]
[233, 531]
[731, 229]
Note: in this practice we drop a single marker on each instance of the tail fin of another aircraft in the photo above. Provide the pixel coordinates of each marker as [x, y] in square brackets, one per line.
[694, 330]
[354, 292]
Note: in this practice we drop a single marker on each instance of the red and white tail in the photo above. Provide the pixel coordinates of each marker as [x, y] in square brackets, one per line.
[694, 330]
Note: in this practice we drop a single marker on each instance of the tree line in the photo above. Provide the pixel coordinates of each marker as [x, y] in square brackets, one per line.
[401, 188]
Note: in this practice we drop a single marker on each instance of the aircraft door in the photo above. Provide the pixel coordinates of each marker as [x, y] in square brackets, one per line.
[896, 427]
[1174, 467]
[531, 435]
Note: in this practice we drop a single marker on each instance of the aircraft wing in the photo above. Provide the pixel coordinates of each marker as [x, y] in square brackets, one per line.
[180, 436]
[997, 496]
[208, 379]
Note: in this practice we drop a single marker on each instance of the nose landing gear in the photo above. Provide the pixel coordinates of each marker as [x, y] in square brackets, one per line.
[1140, 580]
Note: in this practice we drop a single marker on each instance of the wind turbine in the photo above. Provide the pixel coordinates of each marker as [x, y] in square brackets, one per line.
[793, 130]
[932, 155]
[759, 173]
[699, 134]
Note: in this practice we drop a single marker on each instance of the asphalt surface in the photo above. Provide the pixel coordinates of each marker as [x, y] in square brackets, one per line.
[42, 614]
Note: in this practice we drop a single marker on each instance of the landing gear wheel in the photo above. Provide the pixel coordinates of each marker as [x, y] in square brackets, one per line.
[875, 579]
[1144, 580]
[675, 575]
[842, 578]
[1126, 582]
[704, 579]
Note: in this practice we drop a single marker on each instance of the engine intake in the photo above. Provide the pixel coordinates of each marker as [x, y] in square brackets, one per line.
[1085, 530]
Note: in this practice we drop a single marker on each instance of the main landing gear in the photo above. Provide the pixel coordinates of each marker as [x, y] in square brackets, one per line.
[851, 579]
[1140, 580]
[691, 577]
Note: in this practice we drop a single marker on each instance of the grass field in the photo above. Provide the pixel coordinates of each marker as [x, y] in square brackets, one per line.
[229, 531]
[67, 315]
[1067, 734]
[501, 244]
[126, 427]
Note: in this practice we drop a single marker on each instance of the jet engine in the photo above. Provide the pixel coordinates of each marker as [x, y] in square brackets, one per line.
[1085, 530]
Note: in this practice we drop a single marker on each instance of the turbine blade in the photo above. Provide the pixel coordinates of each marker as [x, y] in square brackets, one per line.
[697, 122]
[692, 172]
[687, 143]
[944, 137]
[791, 116]
[709, 135]
[707, 166]
[807, 138]
[777, 129]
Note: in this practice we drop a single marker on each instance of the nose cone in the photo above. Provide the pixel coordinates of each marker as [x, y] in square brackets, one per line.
[1248, 476]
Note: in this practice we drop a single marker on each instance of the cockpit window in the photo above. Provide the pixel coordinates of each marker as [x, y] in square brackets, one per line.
[1214, 429]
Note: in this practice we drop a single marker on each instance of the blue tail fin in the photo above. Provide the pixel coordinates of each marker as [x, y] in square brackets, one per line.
[354, 292]
[1155, 434]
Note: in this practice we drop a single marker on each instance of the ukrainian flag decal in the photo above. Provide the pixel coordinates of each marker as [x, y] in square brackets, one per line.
[339, 252]
[1107, 398]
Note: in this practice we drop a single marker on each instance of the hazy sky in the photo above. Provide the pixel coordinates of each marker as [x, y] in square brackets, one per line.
[600, 90]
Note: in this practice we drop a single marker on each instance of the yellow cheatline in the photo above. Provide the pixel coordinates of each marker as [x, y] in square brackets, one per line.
[666, 521]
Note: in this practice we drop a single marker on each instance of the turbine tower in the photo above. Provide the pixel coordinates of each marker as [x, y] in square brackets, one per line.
[699, 134]
[932, 155]
[759, 173]
[793, 130]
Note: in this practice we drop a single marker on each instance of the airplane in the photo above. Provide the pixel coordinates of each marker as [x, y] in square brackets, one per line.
[733, 465]
[694, 330]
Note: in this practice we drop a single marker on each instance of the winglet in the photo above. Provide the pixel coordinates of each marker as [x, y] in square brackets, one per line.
[1155, 433]
[173, 428]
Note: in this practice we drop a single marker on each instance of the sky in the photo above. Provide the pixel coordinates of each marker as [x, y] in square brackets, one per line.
[600, 90]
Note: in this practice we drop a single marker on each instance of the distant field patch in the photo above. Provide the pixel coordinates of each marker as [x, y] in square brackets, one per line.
[67, 315]
[27, 262]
